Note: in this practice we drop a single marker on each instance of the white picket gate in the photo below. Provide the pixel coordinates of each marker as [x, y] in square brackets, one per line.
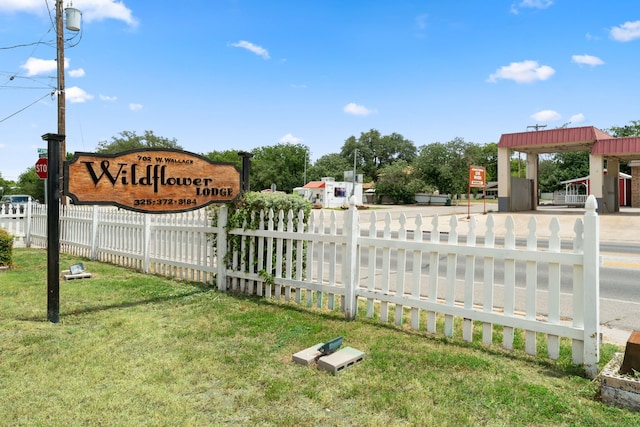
[395, 272]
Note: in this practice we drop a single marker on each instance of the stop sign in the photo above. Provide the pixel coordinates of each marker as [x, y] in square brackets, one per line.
[41, 168]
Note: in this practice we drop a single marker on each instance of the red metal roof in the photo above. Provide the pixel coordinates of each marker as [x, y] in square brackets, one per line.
[586, 138]
[617, 146]
[560, 139]
[314, 184]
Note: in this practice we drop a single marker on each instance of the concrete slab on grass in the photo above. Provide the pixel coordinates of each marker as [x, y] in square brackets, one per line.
[340, 360]
[308, 355]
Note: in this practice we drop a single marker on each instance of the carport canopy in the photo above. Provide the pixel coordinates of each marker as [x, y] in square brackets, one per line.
[598, 143]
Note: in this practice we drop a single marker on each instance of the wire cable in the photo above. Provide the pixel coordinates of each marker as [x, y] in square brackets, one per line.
[22, 109]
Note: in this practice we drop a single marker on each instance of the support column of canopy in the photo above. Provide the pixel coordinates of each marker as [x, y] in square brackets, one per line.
[596, 178]
[532, 173]
[504, 179]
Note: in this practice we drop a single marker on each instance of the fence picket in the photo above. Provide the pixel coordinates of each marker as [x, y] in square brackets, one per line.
[434, 260]
[416, 291]
[371, 271]
[531, 287]
[469, 272]
[509, 283]
[452, 258]
[401, 255]
[553, 341]
[386, 269]
[487, 284]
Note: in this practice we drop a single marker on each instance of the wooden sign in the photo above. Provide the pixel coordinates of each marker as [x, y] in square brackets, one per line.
[155, 181]
[476, 176]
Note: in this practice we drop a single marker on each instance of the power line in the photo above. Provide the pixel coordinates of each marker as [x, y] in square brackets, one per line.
[22, 109]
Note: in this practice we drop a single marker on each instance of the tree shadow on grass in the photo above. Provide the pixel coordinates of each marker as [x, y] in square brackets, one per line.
[125, 304]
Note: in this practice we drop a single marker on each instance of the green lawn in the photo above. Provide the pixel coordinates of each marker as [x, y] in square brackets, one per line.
[134, 349]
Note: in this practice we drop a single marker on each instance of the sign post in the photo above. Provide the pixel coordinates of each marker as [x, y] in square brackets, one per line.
[53, 227]
[477, 179]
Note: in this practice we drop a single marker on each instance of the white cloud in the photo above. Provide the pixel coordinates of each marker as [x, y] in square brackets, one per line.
[522, 72]
[35, 66]
[77, 73]
[577, 118]
[626, 32]
[357, 110]
[92, 10]
[289, 138]
[258, 50]
[532, 4]
[107, 98]
[75, 95]
[135, 107]
[31, 6]
[536, 4]
[546, 116]
[587, 60]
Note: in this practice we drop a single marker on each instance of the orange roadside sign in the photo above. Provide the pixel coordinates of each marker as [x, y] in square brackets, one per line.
[477, 176]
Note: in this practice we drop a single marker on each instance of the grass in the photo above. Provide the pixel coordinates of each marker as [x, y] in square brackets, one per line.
[135, 349]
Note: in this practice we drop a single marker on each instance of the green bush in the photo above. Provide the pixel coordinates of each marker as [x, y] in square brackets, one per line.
[245, 214]
[6, 248]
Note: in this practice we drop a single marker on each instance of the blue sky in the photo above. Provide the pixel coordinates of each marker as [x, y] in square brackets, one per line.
[239, 74]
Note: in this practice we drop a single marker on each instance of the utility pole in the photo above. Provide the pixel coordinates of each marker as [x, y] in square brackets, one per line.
[536, 127]
[61, 94]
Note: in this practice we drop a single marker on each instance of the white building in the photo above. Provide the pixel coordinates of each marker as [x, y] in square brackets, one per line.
[330, 193]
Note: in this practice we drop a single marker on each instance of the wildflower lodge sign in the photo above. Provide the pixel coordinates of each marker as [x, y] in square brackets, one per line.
[154, 181]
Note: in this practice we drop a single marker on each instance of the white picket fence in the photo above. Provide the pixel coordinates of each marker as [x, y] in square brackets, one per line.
[391, 272]
[16, 222]
[383, 268]
[175, 245]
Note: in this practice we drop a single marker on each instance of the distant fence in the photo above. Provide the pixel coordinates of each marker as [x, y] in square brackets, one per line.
[390, 268]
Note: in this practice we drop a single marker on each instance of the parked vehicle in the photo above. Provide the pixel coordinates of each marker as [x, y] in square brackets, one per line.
[15, 203]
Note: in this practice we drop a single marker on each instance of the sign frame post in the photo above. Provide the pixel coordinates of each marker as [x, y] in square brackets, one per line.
[477, 179]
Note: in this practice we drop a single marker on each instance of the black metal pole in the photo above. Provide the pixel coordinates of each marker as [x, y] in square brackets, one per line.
[246, 167]
[53, 226]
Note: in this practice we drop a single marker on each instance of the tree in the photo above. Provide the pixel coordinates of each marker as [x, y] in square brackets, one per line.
[31, 184]
[129, 140]
[5, 185]
[375, 151]
[446, 166]
[398, 182]
[280, 164]
[227, 156]
[624, 131]
[572, 164]
[488, 157]
[333, 165]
